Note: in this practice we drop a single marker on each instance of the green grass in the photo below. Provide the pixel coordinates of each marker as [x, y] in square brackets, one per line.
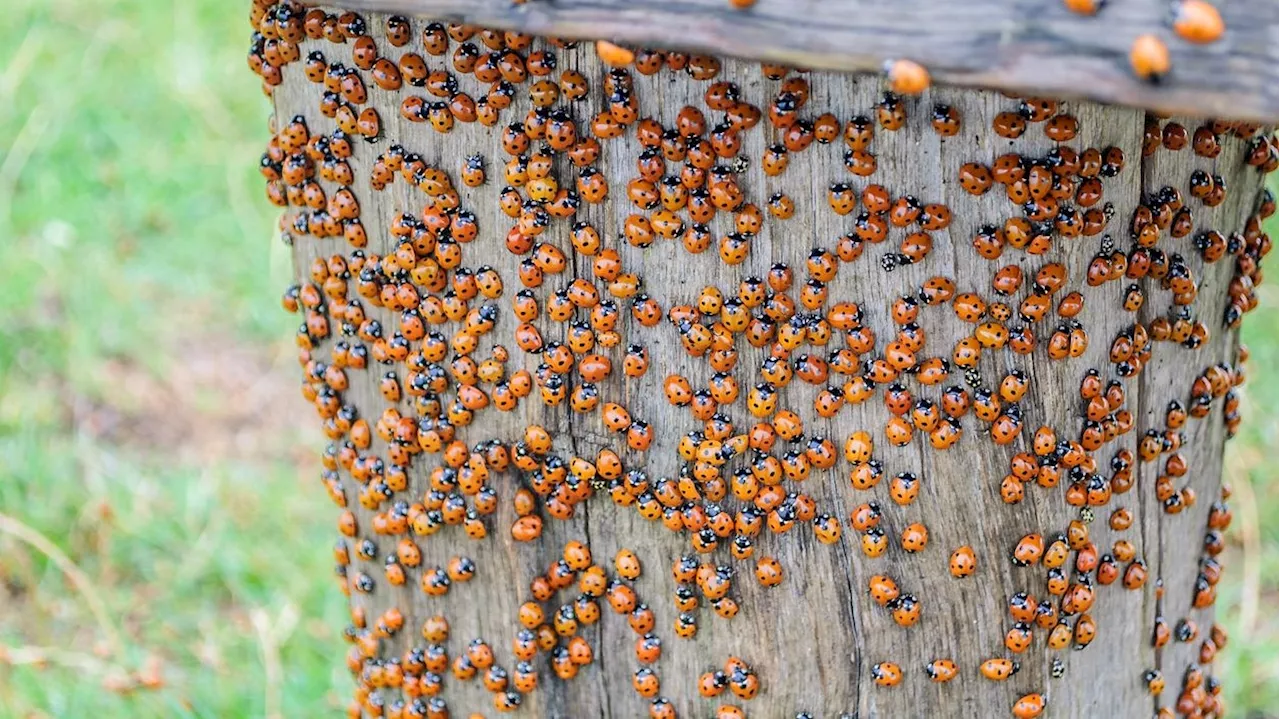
[1249, 590]
[140, 257]
[139, 291]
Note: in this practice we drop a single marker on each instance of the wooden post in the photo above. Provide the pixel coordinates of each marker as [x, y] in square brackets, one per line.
[1138, 247]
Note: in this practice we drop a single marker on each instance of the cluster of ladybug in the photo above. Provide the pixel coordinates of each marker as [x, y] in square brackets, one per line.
[414, 327]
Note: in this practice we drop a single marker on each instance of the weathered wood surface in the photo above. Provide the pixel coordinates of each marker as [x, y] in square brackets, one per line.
[814, 639]
[1013, 45]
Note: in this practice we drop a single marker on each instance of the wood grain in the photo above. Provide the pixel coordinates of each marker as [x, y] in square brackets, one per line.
[814, 639]
[1023, 46]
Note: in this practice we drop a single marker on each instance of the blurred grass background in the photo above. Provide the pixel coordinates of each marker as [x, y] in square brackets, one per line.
[150, 431]
[150, 424]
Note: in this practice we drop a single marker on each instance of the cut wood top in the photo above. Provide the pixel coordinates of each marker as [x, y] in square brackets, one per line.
[1020, 46]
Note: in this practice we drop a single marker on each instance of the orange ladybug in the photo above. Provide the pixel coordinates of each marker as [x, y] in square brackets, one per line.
[1029, 706]
[1085, 7]
[941, 670]
[883, 590]
[614, 55]
[886, 674]
[963, 562]
[914, 538]
[1197, 21]
[768, 572]
[906, 610]
[1028, 550]
[1149, 58]
[998, 669]
[907, 77]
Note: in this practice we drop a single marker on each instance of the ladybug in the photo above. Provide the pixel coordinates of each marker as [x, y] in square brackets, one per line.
[904, 488]
[527, 529]
[1160, 633]
[1014, 387]
[1135, 575]
[941, 670]
[461, 569]
[1006, 427]
[904, 211]
[782, 111]
[898, 432]
[925, 416]
[525, 677]
[1149, 58]
[1057, 553]
[968, 307]
[1085, 7]
[841, 198]
[1197, 21]
[1085, 631]
[826, 128]
[906, 77]
[781, 206]
[645, 682]
[865, 516]
[946, 434]
[886, 674]
[1062, 128]
[614, 55]
[897, 399]
[935, 217]
[1218, 635]
[725, 607]
[963, 562]
[874, 542]
[890, 112]
[775, 160]
[1173, 137]
[712, 684]
[883, 590]
[1046, 615]
[826, 528]
[858, 133]
[946, 120]
[906, 610]
[1018, 638]
[1009, 125]
[1029, 550]
[1154, 680]
[860, 163]
[1029, 706]
[914, 538]
[768, 572]
[742, 681]
[975, 178]
[998, 669]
